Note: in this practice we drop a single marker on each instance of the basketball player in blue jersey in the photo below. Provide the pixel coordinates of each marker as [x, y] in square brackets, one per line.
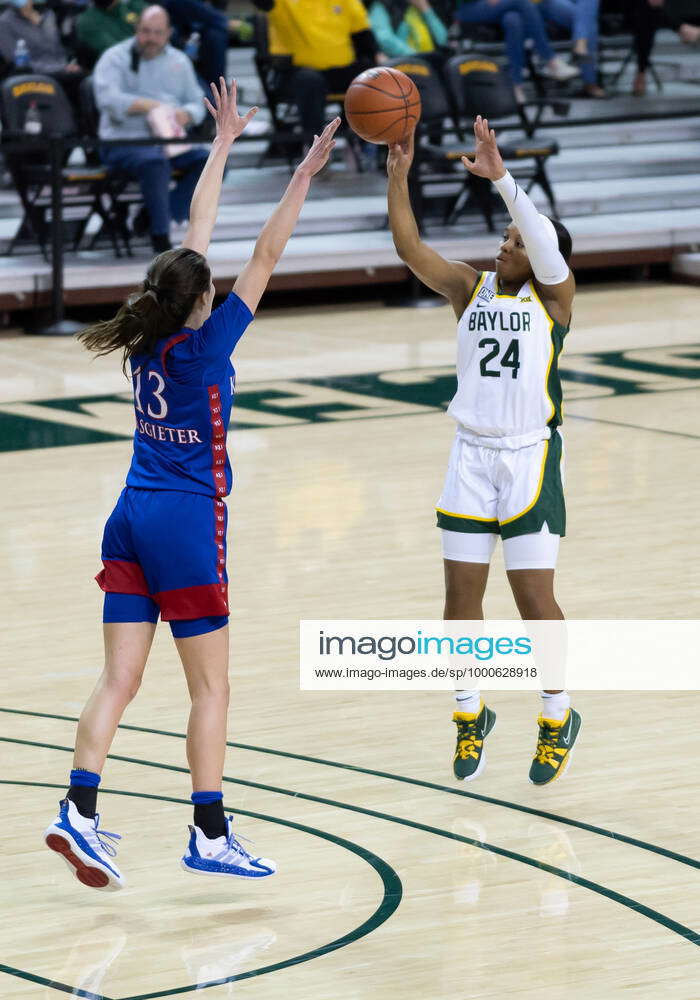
[164, 545]
[504, 475]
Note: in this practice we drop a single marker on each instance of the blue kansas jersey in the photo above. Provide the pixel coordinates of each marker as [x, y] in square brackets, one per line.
[183, 395]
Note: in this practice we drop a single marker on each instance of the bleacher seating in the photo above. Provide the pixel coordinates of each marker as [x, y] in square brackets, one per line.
[85, 190]
[605, 180]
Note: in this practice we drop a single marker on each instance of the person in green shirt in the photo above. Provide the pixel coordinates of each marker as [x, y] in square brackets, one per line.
[104, 23]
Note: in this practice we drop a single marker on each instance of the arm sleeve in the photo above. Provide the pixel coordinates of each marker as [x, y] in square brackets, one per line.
[387, 39]
[548, 265]
[435, 26]
[107, 82]
[213, 344]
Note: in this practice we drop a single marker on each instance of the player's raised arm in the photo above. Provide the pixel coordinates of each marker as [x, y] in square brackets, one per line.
[554, 280]
[253, 279]
[451, 278]
[205, 200]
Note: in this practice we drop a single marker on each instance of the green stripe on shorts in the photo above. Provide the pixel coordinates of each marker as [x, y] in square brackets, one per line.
[455, 522]
[550, 506]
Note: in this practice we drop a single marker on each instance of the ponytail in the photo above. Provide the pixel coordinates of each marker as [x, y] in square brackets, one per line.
[172, 285]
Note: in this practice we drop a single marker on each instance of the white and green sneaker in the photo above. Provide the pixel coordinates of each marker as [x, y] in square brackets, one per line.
[472, 729]
[555, 742]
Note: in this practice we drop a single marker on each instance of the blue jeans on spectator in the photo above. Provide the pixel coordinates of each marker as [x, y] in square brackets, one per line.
[520, 19]
[581, 18]
[152, 168]
[212, 25]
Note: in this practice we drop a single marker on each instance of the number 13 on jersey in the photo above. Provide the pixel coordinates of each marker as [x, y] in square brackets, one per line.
[156, 391]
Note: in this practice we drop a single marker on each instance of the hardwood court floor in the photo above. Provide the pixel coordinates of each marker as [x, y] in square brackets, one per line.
[399, 884]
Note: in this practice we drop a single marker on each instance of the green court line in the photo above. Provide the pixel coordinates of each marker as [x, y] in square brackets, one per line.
[677, 928]
[31, 977]
[26, 433]
[417, 782]
[393, 891]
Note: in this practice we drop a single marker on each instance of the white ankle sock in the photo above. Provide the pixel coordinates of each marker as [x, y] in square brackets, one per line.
[468, 701]
[555, 706]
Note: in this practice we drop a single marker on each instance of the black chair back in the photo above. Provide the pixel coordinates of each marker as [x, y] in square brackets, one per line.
[18, 93]
[89, 112]
[479, 86]
[434, 102]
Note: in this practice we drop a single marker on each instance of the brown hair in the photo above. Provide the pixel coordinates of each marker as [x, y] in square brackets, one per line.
[171, 287]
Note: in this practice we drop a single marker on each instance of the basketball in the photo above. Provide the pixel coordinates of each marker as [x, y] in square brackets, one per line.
[382, 105]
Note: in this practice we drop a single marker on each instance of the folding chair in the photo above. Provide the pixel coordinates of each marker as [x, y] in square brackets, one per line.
[30, 169]
[287, 139]
[437, 116]
[478, 85]
[116, 189]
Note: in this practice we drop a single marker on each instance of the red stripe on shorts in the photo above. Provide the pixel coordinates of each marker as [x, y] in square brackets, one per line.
[122, 577]
[192, 602]
[220, 538]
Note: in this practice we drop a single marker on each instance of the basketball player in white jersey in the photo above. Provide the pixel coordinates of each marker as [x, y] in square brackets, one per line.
[504, 475]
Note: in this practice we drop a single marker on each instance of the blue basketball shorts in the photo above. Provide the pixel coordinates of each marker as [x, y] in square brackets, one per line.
[164, 553]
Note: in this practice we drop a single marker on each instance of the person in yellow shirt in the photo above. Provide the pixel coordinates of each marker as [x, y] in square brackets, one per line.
[328, 43]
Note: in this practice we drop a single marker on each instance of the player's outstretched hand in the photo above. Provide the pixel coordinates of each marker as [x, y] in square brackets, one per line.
[487, 160]
[400, 157]
[317, 156]
[229, 124]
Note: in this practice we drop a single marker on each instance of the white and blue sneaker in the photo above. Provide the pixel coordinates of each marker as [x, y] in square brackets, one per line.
[80, 843]
[223, 856]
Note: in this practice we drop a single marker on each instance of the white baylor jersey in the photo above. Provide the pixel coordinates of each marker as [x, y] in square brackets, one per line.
[508, 387]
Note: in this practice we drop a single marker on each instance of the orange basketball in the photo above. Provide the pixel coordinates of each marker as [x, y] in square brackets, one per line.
[382, 105]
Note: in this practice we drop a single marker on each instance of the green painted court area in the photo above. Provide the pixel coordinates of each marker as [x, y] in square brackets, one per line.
[58, 423]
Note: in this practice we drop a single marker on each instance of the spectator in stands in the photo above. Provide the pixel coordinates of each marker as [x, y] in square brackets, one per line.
[105, 23]
[40, 32]
[212, 26]
[406, 28]
[130, 80]
[580, 18]
[328, 41]
[520, 20]
[682, 16]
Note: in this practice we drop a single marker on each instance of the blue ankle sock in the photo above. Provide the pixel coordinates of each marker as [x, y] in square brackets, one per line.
[84, 779]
